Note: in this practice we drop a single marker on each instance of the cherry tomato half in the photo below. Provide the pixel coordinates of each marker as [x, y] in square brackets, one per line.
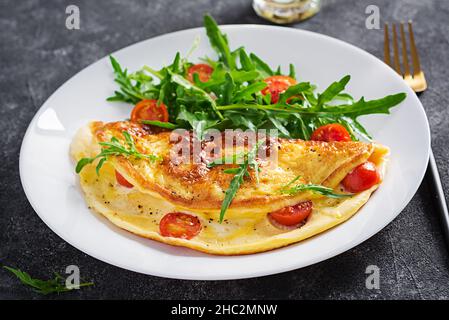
[149, 110]
[362, 178]
[331, 132]
[121, 180]
[292, 215]
[179, 225]
[203, 70]
[277, 85]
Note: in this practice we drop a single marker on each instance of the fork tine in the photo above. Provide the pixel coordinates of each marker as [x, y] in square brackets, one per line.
[397, 65]
[404, 53]
[413, 51]
[387, 46]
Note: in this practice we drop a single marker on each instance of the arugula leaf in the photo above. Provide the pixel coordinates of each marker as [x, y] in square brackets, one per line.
[199, 121]
[311, 118]
[325, 191]
[228, 89]
[344, 97]
[176, 66]
[247, 120]
[234, 159]
[248, 91]
[218, 41]
[278, 71]
[157, 74]
[245, 61]
[292, 71]
[277, 122]
[232, 170]
[334, 89]
[354, 126]
[234, 186]
[181, 81]
[56, 285]
[219, 77]
[363, 107]
[261, 65]
[328, 192]
[239, 173]
[166, 125]
[114, 148]
[293, 91]
[129, 91]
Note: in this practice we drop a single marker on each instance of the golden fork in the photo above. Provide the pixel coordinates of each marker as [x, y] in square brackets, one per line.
[417, 82]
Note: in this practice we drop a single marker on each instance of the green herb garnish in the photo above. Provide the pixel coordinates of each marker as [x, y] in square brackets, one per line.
[166, 125]
[219, 41]
[56, 285]
[325, 191]
[115, 148]
[249, 162]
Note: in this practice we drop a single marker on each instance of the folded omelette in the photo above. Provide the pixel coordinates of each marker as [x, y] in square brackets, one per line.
[162, 187]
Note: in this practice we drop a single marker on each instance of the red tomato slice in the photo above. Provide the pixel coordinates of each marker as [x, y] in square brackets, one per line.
[203, 70]
[179, 225]
[277, 85]
[362, 178]
[331, 132]
[149, 110]
[292, 215]
[121, 180]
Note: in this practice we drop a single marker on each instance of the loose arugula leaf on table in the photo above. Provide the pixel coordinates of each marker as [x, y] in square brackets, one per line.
[56, 285]
[115, 148]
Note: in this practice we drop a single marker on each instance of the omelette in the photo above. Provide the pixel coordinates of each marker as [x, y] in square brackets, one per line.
[158, 191]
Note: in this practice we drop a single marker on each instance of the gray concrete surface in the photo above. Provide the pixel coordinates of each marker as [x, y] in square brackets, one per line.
[38, 54]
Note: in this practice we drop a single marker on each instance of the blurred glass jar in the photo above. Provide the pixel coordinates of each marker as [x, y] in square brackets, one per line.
[286, 11]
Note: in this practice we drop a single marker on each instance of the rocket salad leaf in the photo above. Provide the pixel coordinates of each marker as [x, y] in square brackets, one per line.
[55, 285]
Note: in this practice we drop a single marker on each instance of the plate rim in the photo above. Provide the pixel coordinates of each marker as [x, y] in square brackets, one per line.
[270, 270]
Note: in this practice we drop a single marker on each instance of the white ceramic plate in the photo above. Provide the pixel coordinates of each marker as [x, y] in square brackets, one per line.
[48, 177]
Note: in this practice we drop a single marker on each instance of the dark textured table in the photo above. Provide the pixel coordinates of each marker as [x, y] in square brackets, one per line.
[38, 53]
